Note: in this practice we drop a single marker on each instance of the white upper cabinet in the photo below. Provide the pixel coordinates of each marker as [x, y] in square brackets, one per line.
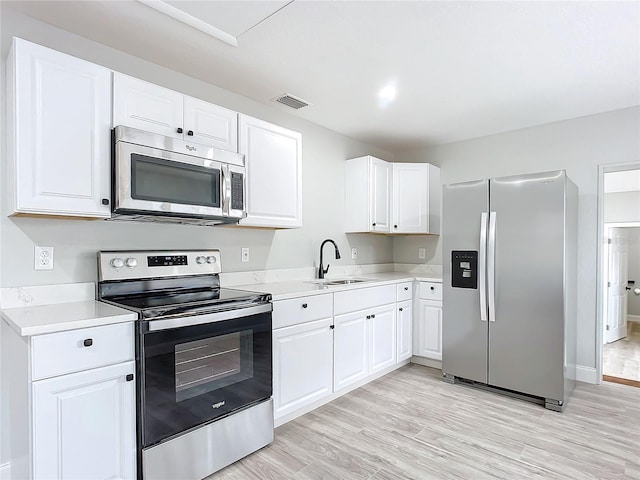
[382, 197]
[367, 195]
[58, 133]
[415, 198]
[273, 158]
[156, 109]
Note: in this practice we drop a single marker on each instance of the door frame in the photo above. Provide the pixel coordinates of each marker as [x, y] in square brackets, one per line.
[600, 274]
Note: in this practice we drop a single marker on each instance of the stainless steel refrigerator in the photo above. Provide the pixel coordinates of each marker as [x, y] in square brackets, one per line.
[509, 284]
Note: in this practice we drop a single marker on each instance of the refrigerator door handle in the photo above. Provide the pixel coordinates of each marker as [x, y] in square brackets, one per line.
[491, 266]
[482, 267]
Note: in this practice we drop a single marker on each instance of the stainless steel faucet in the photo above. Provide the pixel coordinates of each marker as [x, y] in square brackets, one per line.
[321, 270]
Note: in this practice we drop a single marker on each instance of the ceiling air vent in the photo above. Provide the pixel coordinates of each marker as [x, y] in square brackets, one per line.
[291, 101]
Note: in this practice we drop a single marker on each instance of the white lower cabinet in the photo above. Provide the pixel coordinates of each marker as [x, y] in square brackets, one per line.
[364, 344]
[84, 425]
[76, 418]
[429, 330]
[405, 328]
[302, 368]
[349, 349]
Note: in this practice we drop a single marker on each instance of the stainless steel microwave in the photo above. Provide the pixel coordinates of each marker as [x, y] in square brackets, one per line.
[164, 179]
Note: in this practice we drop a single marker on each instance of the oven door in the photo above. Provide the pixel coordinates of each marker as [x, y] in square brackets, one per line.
[195, 373]
[158, 181]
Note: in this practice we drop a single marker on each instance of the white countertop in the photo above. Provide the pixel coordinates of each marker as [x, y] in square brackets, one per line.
[300, 288]
[59, 317]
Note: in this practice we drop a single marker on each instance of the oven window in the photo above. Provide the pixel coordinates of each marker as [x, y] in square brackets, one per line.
[160, 180]
[210, 364]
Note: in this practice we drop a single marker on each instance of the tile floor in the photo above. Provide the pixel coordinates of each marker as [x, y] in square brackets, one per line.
[622, 358]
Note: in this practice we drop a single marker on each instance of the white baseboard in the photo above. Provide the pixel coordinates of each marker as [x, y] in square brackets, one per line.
[427, 362]
[633, 318]
[586, 374]
[5, 471]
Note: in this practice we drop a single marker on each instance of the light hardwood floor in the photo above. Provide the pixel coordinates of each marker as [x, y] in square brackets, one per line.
[411, 425]
[622, 358]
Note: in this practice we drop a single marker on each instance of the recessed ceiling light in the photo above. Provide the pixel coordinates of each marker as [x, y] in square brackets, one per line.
[387, 94]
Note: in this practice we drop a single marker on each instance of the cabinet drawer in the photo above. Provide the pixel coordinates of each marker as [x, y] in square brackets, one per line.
[301, 310]
[404, 291]
[431, 291]
[354, 300]
[76, 350]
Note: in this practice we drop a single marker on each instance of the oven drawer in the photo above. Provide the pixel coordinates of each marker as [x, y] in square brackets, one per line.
[301, 310]
[65, 352]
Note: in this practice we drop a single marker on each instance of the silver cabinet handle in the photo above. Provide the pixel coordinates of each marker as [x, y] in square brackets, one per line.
[491, 267]
[482, 267]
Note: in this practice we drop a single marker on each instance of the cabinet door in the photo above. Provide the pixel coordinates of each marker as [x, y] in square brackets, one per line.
[379, 178]
[409, 198]
[84, 425]
[428, 333]
[302, 370]
[405, 327]
[273, 157]
[62, 120]
[210, 124]
[146, 106]
[350, 351]
[382, 338]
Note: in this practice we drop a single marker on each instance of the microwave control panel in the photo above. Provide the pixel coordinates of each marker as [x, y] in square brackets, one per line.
[237, 191]
[464, 269]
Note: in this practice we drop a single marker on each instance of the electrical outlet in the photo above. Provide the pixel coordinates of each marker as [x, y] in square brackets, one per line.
[43, 258]
[422, 253]
[245, 255]
[354, 253]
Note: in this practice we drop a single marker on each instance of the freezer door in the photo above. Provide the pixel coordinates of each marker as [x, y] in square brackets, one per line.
[464, 332]
[526, 339]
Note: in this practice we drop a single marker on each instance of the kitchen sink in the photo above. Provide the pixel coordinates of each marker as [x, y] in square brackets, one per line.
[344, 281]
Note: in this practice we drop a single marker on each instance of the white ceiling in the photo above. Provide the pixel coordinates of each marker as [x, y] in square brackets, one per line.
[462, 69]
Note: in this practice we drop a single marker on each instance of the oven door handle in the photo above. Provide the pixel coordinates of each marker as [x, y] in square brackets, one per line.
[169, 323]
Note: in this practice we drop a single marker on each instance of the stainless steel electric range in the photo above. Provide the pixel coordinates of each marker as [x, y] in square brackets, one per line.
[204, 360]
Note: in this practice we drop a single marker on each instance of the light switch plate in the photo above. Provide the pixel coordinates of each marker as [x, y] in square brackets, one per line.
[42, 258]
[422, 253]
[354, 253]
[245, 255]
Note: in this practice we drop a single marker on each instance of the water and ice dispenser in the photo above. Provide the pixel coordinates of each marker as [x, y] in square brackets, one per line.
[464, 269]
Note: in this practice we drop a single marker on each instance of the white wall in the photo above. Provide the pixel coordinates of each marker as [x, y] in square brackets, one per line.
[76, 241]
[578, 146]
[622, 207]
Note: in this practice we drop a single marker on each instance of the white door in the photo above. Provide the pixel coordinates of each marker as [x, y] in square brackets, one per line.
[210, 124]
[350, 350]
[382, 337]
[617, 285]
[428, 341]
[273, 157]
[405, 327]
[84, 425]
[379, 182]
[409, 198]
[146, 106]
[62, 133]
[302, 367]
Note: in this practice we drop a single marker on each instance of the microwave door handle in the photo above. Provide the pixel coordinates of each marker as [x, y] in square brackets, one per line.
[225, 193]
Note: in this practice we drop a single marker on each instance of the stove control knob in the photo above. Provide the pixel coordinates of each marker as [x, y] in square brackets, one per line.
[131, 262]
[211, 259]
[200, 260]
[117, 262]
